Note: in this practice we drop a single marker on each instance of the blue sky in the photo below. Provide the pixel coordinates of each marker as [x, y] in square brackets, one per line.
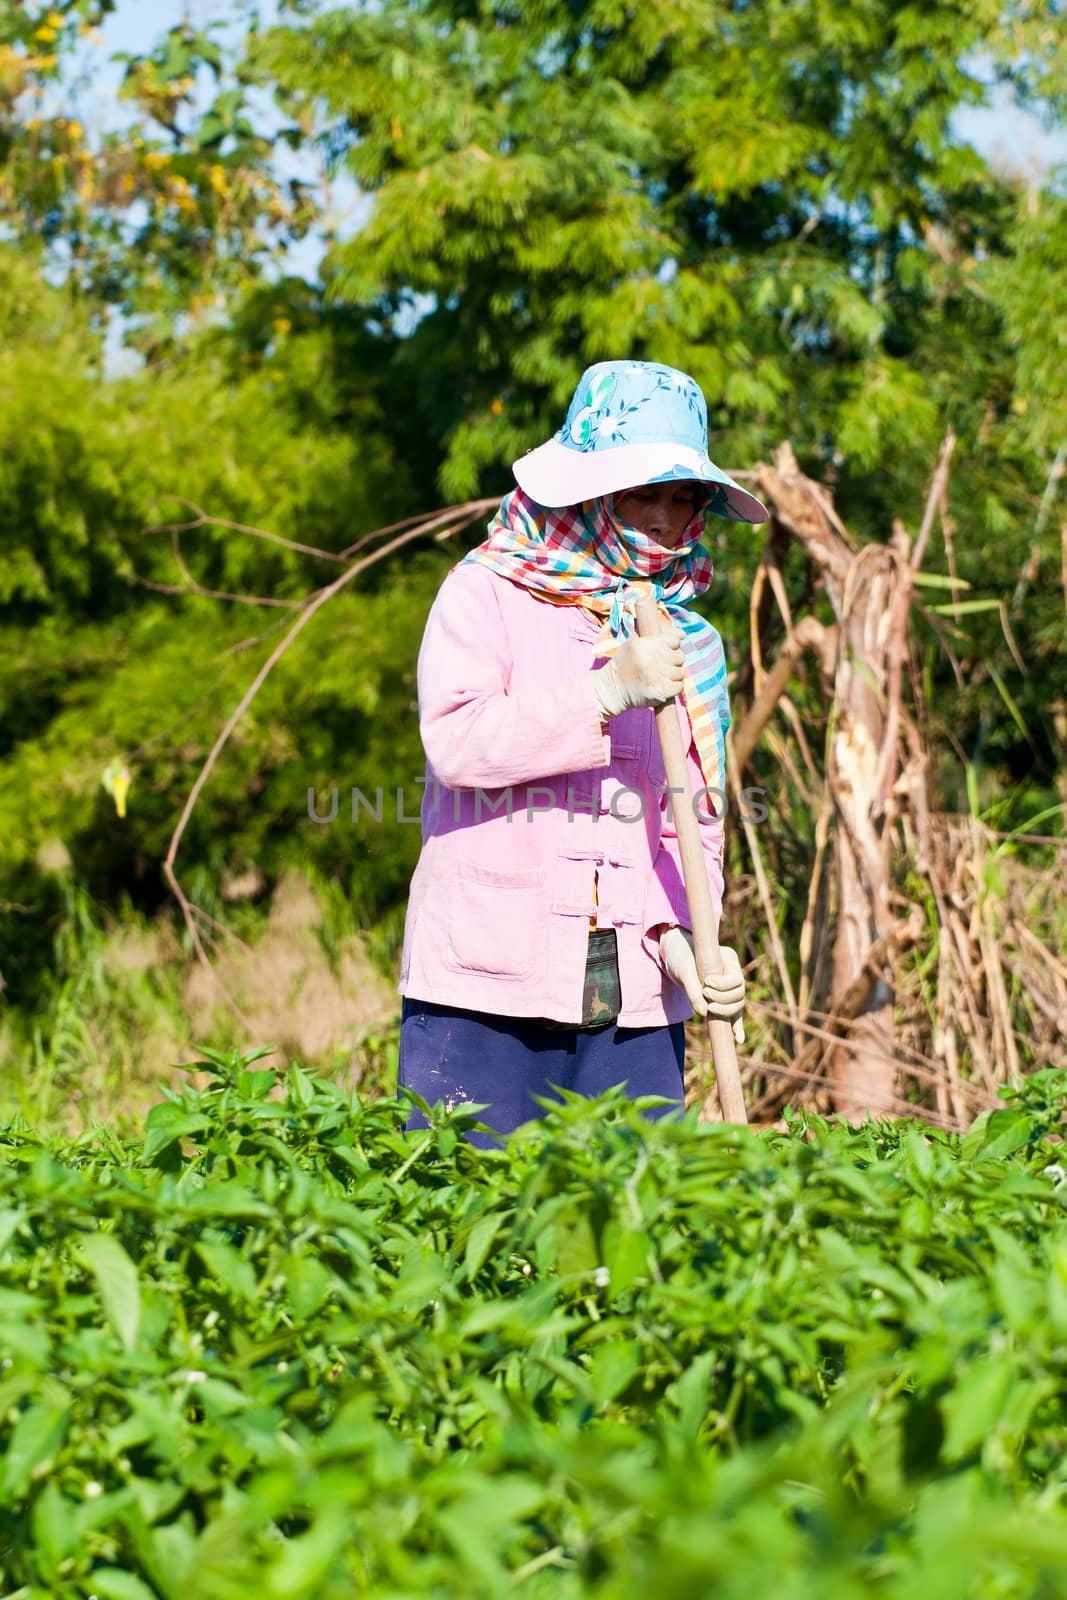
[1005, 134]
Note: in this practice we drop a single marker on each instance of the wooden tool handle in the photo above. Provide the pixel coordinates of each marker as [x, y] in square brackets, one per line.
[695, 877]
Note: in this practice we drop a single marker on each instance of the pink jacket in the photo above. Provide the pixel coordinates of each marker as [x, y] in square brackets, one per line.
[498, 914]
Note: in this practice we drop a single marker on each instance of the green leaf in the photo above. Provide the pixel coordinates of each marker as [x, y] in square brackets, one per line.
[484, 1315]
[305, 1560]
[625, 1254]
[211, 131]
[974, 1406]
[1057, 1295]
[227, 1199]
[37, 1436]
[9, 1223]
[256, 1085]
[965, 607]
[839, 1253]
[1013, 709]
[54, 1528]
[112, 1583]
[1030, 823]
[220, 1398]
[1017, 1287]
[309, 1283]
[1001, 1134]
[691, 1392]
[165, 1123]
[921, 1154]
[938, 580]
[480, 1242]
[613, 1365]
[301, 1086]
[229, 1266]
[116, 1283]
[576, 1250]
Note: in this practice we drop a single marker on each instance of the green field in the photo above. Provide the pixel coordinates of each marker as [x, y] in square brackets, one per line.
[282, 1348]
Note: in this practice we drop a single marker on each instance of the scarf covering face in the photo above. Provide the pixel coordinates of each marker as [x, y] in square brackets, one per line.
[585, 555]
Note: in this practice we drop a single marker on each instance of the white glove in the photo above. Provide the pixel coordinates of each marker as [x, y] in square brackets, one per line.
[642, 672]
[723, 993]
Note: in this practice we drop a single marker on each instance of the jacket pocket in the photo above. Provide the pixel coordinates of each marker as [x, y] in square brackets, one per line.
[494, 919]
[629, 739]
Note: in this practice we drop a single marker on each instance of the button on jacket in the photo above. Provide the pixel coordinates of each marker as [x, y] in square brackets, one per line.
[526, 797]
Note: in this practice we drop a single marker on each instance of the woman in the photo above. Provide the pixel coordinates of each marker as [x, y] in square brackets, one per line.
[547, 935]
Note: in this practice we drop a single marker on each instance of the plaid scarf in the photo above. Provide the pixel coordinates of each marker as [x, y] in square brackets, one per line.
[584, 555]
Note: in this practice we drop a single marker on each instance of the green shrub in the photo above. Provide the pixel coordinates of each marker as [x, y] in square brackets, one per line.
[281, 1347]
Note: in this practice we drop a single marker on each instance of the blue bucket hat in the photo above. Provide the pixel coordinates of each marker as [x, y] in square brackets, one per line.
[631, 423]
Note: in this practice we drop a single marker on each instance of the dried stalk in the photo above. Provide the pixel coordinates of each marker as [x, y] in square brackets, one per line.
[898, 615]
[807, 931]
[762, 884]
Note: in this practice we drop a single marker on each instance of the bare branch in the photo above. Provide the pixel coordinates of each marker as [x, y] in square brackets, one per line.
[457, 516]
[202, 519]
[214, 594]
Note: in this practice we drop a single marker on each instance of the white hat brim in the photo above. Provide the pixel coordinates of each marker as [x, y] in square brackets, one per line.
[555, 475]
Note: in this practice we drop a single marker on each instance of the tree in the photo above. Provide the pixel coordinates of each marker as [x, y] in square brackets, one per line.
[169, 218]
[769, 195]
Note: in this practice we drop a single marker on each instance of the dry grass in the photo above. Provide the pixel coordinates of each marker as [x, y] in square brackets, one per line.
[130, 1004]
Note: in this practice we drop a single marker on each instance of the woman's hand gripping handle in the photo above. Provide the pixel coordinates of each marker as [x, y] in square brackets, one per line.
[697, 890]
[642, 672]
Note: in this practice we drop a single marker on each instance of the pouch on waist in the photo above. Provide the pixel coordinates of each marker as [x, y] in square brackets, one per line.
[602, 991]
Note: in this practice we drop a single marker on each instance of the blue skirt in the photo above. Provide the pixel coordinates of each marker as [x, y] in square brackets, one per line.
[453, 1055]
